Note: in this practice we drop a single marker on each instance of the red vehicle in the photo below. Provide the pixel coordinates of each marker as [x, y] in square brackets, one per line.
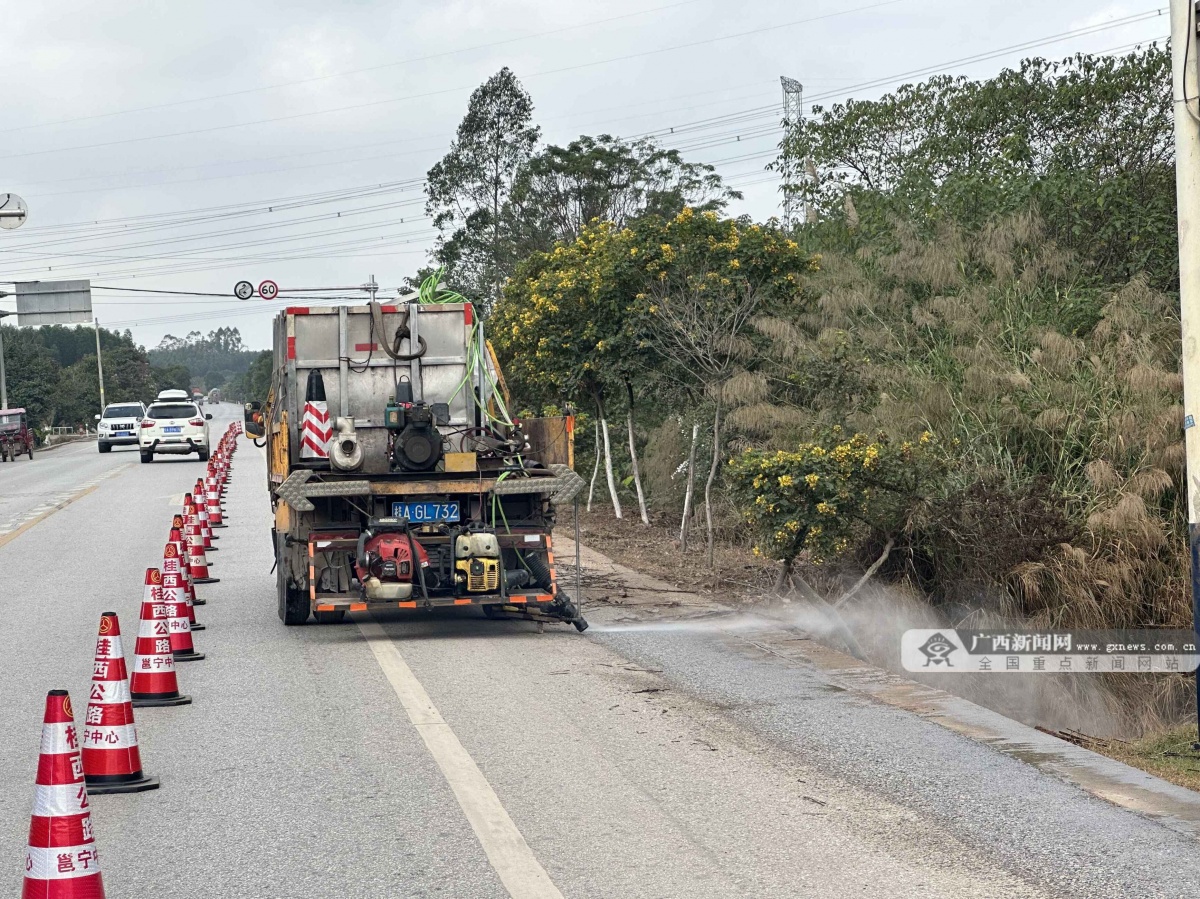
[15, 436]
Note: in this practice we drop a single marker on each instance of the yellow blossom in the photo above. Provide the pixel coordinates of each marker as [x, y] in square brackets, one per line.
[812, 480]
[784, 481]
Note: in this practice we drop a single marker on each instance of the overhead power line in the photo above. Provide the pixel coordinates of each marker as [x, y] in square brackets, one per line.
[442, 91]
[376, 68]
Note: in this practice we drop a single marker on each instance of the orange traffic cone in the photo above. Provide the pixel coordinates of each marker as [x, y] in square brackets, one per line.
[198, 515]
[212, 499]
[205, 530]
[198, 561]
[111, 761]
[185, 560]
[174, 597]
[179, 563]
[153, 681]
[61, 861]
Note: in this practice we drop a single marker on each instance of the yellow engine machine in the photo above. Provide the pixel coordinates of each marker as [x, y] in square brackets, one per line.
[477, 562]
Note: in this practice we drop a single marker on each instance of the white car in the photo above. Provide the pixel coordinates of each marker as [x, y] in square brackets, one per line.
[118, 425]
[174, 426]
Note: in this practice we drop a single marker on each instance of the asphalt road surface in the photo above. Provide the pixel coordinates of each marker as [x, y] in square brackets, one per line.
[453, 756]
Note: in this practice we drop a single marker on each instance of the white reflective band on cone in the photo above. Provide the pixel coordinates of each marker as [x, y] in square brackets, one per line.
[109, 692]
[109, 648]
[57, 802]
[46, 864]
[149, 628]
[109, 736]
[54, 739]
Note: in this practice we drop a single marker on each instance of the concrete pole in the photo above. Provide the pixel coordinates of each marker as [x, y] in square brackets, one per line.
[99, 364]
[1185, 91]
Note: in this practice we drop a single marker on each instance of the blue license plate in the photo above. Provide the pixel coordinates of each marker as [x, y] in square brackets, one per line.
[122, 433]
[177, 429]
[422, 513]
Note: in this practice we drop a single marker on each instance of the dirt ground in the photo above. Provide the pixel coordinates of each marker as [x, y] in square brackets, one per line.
[739, 578]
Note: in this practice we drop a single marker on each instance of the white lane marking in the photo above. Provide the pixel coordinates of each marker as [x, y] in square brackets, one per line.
[519, 870]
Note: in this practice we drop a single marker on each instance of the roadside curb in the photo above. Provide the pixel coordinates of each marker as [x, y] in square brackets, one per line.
[54, 446]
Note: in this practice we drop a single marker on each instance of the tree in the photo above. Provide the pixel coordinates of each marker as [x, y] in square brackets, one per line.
[208, 361]
[1087, 142]
[467, 190]
[32, 374]
[563, 328]
[706, 279]
[822, 497]
[610, 312]
[563, 189]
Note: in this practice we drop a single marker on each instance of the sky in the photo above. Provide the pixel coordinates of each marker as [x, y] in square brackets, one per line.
[185, 147]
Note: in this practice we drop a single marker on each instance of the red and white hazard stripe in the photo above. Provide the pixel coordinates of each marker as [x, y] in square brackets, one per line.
[315, 430]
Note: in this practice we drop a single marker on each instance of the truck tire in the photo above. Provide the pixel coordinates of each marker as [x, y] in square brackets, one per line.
[105, 447]
[294, 607]
[147, 457]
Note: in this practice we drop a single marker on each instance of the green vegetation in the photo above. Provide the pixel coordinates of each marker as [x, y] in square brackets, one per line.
[216, 360]
[497, 198]
[51, 371]
[1168, 754]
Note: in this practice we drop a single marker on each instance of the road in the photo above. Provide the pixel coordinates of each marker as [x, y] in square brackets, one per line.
[453, 756]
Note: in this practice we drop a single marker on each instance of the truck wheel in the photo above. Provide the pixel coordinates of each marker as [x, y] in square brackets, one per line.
[337, 616]
[203, 455]
[293, 603]
[104, 447]
[147, 457]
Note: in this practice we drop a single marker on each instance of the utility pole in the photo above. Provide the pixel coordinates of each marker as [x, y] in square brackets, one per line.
[3, 377]
[99, 363]
[1185, 91]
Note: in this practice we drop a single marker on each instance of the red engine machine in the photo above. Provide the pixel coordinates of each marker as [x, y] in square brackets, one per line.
[384, 564]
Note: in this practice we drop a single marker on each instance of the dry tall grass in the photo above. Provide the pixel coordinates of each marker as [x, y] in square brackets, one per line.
[1065, 404]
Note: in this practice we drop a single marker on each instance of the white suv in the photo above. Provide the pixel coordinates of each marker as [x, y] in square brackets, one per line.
[173, 426]
[119, 425]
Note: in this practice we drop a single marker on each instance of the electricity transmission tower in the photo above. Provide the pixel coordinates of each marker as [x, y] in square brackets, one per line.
[793, 112]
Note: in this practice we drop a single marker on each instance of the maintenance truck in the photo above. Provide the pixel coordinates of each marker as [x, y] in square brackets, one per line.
[398, 477]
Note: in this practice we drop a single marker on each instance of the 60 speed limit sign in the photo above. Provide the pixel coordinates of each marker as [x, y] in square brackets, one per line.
[268, 290]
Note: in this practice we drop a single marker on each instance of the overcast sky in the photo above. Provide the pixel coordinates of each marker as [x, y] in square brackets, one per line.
[149, 139]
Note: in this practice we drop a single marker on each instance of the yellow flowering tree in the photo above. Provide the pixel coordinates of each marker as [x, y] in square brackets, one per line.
[707, 278]
[822, 498]
[564, 332]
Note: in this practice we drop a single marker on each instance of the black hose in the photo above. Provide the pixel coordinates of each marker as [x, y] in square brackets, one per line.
[416, 560]
[403, 332]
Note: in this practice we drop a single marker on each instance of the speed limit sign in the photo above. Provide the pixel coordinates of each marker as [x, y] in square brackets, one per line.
[243, 290]
[268, 290]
